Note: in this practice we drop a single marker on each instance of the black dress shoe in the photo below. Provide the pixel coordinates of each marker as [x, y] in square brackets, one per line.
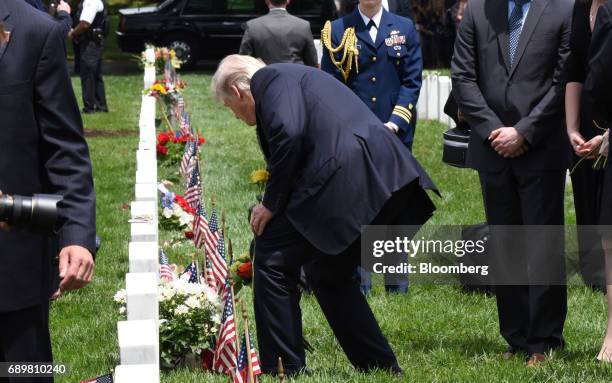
[511, 353]
[88, 111]
[397, 371]
[102, 110]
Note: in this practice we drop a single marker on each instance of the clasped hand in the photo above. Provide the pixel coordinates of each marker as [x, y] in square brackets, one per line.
[508, 142]
[584, 148]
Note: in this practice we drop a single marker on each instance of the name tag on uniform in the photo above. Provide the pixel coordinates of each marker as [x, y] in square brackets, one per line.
[395, 39]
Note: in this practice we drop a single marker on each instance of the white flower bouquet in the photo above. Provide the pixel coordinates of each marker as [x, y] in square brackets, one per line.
[189, 316]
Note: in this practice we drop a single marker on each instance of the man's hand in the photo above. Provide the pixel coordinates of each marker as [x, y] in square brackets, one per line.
[64, 6]
[508, 142]
[392, 127]
[260, 218]
[76, 267]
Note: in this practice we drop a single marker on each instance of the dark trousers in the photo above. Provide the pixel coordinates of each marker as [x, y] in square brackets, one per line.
[531, 315]
[24, 337]
[90, 70]
[280, 252]
[587, 186]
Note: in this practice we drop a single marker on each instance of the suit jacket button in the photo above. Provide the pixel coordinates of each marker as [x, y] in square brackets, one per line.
[373, 78]
[373, 58]
[373, 99]
[398, 54]
[397, 62]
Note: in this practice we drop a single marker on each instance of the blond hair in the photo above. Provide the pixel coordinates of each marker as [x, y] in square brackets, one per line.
[236, 70]
[2, 35]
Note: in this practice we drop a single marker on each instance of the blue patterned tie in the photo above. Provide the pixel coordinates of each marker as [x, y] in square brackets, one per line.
[515, 27]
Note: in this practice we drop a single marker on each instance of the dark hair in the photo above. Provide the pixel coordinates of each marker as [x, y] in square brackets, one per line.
[278, 3]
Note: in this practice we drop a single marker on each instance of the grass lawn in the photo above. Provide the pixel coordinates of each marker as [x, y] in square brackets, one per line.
[439, 333]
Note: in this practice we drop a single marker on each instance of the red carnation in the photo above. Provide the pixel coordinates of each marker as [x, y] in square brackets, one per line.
[201, 140]
[162, 138]
[161, 149]
[189, 234]
[245, 271]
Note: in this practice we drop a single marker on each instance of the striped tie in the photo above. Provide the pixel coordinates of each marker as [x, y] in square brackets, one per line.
[515, 26]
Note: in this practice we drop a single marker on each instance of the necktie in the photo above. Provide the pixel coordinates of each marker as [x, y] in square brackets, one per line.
[515, 27]
[372, 29]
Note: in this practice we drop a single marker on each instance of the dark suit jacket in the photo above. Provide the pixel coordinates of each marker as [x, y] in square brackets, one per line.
[527, 96]
[332, 162]
[43, 151]
[279, 37]
[598, 84]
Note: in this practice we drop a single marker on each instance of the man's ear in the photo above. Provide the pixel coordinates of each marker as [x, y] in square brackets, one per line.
[235, 91]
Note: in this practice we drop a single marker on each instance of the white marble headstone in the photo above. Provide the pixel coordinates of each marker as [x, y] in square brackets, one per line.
[146, 175]
[142, 301]
[144, 257]
[137, 373]
[144, 231]
[138, 342]
[149, 76]
[145, 191]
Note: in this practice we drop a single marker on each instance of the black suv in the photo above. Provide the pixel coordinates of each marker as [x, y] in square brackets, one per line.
[205, 29]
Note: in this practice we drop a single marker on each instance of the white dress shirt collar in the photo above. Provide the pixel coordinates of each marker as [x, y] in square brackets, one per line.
[376, 18]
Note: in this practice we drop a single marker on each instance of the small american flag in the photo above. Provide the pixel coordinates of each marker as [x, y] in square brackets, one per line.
[210, 278]
[243, 364]
[200, 227]
[194, 189]
[185, 124]
[192, 272]
[225, 349]
[180, 107]
[191, 148]
[165, 272]
[213, 237]
[101, 379]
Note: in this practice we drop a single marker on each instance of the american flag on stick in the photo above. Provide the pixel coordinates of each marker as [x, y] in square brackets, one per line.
[246, 366]
[210, 278]
[189, 157]
[225, 349]
[192, 272]
[193, 193]
[165, 271]
[180, 107]
[213, 238]
[185, 127]
[108, 378]
[200, 227]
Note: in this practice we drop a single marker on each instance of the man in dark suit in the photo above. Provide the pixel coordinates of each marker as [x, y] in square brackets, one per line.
[333, 167]
[43, 152]
[279, 37]
[506, 74]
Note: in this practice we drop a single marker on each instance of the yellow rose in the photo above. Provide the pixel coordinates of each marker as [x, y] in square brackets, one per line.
[260, 176]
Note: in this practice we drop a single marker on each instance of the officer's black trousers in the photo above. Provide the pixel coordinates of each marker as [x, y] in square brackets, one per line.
[24, 337]
[279, 253]
[92, 83]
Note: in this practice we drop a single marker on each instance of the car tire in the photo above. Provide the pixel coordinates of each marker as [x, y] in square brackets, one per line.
[185, 47]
